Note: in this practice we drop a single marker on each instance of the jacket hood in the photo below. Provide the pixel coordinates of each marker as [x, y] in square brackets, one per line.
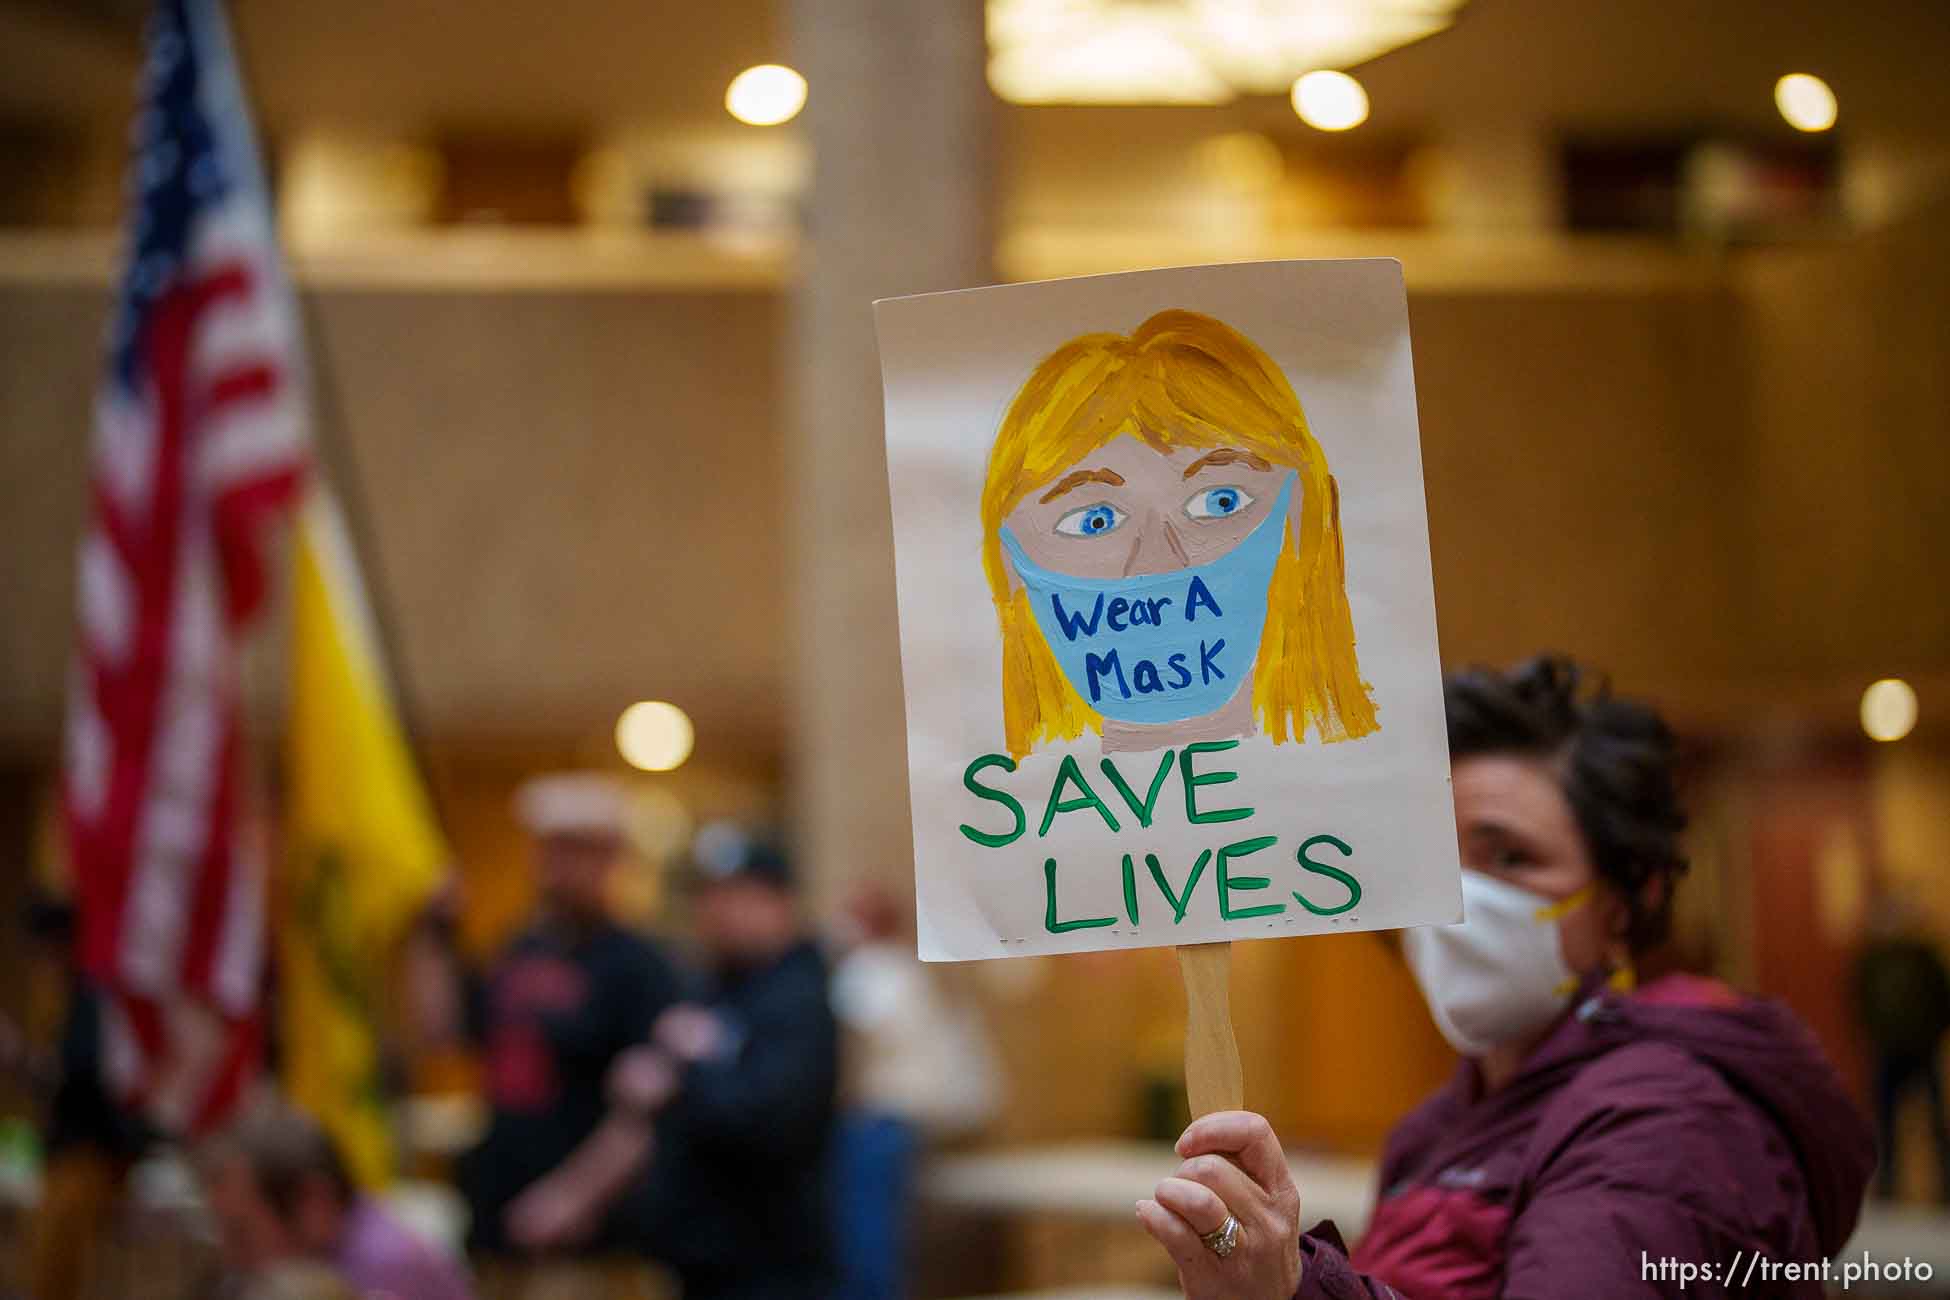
[1765, 1053]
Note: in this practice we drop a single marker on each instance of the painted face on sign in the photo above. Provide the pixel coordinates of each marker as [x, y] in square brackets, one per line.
[1128, 509]
[1147, 570]
[1162, 538]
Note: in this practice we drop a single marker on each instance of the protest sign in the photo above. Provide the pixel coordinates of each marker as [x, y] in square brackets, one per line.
[1168, 630]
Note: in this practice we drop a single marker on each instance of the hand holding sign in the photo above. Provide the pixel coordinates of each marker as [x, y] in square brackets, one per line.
[1129, 611]
[1233, 1168]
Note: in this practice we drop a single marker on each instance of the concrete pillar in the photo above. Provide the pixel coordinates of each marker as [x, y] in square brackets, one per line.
[900, 120]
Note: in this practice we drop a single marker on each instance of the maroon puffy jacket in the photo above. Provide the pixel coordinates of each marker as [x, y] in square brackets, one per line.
[1681, 1123]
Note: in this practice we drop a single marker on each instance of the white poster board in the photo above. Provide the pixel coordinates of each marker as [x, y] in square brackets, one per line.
[1167, 623]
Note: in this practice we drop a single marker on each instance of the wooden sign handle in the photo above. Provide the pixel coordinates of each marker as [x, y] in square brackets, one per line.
[1213, 1080]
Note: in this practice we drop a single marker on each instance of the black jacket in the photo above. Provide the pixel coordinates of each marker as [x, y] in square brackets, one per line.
[551, 1018]
[734, 1199]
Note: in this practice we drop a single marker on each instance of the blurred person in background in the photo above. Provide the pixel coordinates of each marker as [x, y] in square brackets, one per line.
[571, 992]
[1902, 1001]
[918, 1068]
[300, 1281]
[1592, 1125]
[290, 1219]
[741, 1088]
[722, 1118]
[91, 1139]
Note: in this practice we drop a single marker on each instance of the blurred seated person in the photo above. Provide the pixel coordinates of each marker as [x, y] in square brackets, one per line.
[301, 1281]
[91, 1139]
[291, 1221]
[1591, 1126]
[721, 1118]
[919, 1068]
[571, 992]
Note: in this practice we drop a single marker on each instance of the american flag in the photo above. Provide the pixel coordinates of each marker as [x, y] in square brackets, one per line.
[198, 451]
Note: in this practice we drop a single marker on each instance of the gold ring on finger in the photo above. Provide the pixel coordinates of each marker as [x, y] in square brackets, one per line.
[1223, 1240]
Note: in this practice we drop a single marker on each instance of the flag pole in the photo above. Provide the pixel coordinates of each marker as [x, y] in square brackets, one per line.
[333, 455]
[339, 465]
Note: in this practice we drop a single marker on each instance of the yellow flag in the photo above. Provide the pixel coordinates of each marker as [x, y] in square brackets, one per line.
[363, 850]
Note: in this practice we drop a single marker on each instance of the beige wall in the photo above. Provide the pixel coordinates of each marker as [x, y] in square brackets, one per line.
[1846, 471]
[576, 499]
[580, 501]
[1575, 451]
[1728, 490]
[1715, 486]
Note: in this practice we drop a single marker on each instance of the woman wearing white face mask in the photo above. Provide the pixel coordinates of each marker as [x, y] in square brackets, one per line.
[1594, 1128]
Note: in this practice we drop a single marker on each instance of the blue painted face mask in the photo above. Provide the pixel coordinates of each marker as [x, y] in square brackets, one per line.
[1160, 647]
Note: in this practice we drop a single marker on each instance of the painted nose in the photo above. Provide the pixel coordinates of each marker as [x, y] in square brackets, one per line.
[1155, 548]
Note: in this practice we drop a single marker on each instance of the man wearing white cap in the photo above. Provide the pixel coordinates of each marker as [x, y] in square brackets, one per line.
[570, 993]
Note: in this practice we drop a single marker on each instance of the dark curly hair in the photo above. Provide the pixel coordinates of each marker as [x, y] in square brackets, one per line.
[1613, 759]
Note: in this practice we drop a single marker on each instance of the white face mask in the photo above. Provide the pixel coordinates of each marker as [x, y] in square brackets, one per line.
[1500, 973]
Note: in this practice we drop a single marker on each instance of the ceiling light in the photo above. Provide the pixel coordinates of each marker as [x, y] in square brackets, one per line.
[1188, 51]
[766, 95]
[654, 735]
[1805, 101]
[1135, 63]
[1330, 101]
[1889, 709]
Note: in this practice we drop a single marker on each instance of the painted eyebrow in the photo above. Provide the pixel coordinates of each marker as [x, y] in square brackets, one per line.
[1228, 456]
[1081, 477]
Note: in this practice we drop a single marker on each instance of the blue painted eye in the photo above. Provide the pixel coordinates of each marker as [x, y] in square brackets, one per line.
[1091, 521]
[1217, 503]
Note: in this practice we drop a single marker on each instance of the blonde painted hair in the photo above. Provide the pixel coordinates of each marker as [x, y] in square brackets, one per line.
[1182, 380]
